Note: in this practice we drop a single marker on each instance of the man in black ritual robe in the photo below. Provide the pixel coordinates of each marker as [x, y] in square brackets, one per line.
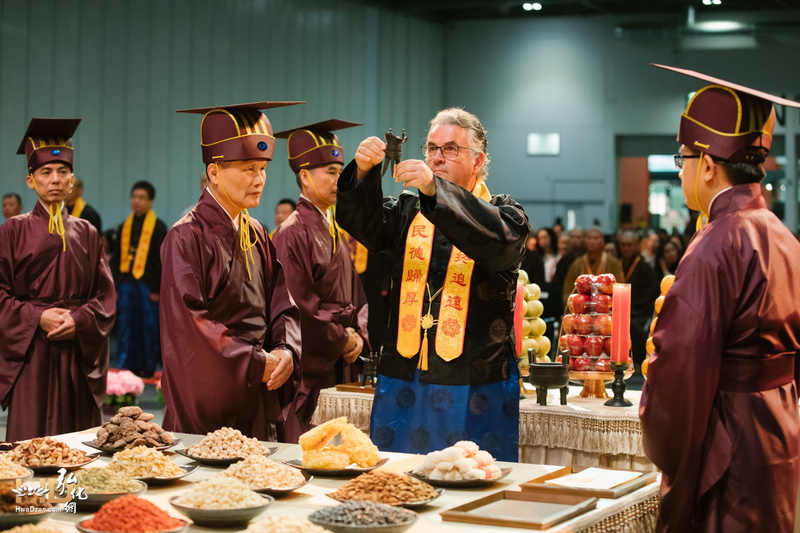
[448, 370]
[230, 331]
[719, 407]
[57, 300]
[319, 272]
[80, 209]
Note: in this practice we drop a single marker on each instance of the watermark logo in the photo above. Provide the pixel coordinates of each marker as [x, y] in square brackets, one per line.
[33, 498]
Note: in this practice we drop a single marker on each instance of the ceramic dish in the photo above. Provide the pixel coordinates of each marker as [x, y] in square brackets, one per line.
[222, 517]
[50, 470]
[112, 451]
[84, 529]
[350, 471]
[407, 505]
[461, 483]
[349, 528]
[282, 491]
[9, 520]
[218, 462]
[152, 480]
[22, 479]
[93, 501]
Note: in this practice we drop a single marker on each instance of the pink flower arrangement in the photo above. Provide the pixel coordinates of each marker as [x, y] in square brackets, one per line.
[123, 388]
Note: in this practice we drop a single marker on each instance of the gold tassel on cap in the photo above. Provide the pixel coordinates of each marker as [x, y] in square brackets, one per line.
[702, 218]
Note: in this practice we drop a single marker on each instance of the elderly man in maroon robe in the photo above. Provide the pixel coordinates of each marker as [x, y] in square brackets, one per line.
[719, 408]
[230, 331]
[319, 271]
[57, 299]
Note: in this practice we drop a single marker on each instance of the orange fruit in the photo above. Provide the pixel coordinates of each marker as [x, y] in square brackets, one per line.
[666, 283]
[659, 303]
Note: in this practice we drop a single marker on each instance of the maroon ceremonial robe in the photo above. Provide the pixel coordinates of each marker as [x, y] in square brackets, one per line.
[52, 387]
[719, 408]
[326, 287]
[215, 321]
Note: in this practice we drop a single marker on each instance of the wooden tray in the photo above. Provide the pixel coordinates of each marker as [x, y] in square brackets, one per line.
[539, 484]
[355, 387]
[528, 510]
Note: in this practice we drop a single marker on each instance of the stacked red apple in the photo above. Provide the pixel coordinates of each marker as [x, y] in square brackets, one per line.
[586, 326]
[533, 327]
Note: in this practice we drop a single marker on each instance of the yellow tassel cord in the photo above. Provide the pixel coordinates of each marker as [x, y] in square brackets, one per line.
[333, 228]
[427, 321]
[702, 219]
[56, 223]
[245, 224]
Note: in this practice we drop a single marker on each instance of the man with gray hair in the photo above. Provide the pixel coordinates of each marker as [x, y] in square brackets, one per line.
[448, 370]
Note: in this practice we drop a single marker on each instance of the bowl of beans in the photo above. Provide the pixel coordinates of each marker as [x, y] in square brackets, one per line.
[221, 502]
[363, 517]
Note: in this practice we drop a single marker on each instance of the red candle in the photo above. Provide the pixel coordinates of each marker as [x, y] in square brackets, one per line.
[621, 324]
[518, 312]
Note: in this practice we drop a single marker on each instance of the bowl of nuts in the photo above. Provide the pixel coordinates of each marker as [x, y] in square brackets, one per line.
[387, 487]
[45, 456]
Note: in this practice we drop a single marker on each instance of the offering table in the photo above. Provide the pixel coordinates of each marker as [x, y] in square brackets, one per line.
[632, 512]
[583, 432]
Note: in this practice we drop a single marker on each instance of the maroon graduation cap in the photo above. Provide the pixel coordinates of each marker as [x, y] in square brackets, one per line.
[728, 120]
[47, 140]
[237, 132]
[314, 145]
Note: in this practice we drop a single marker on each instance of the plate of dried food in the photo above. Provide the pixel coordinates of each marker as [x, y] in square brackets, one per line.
[461, 483]
[111, 451]
[94, 500]
[50, 470]
[349, 471]
[283, 491]
[166, 480]
[220, 461]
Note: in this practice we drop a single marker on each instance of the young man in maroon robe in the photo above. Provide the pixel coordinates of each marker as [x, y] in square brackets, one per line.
[57, 299]
[719, 408]
[230, 331]
[319, 272]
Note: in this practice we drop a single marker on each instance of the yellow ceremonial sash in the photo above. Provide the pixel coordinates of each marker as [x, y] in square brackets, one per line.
[455, 294]
[77, 208]
[142, 249]
[359, 256]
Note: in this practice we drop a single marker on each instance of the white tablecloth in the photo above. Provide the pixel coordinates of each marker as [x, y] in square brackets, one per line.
[633, 512]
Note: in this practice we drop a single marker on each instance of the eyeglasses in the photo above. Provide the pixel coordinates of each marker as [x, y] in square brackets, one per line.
[449, 151]
[680, 157]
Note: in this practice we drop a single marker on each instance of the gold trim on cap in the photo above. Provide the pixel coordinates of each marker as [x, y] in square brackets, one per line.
[318, 140]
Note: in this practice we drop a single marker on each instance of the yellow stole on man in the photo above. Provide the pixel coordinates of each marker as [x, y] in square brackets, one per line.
[78, 206]
[142, 249]
[454, 305]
